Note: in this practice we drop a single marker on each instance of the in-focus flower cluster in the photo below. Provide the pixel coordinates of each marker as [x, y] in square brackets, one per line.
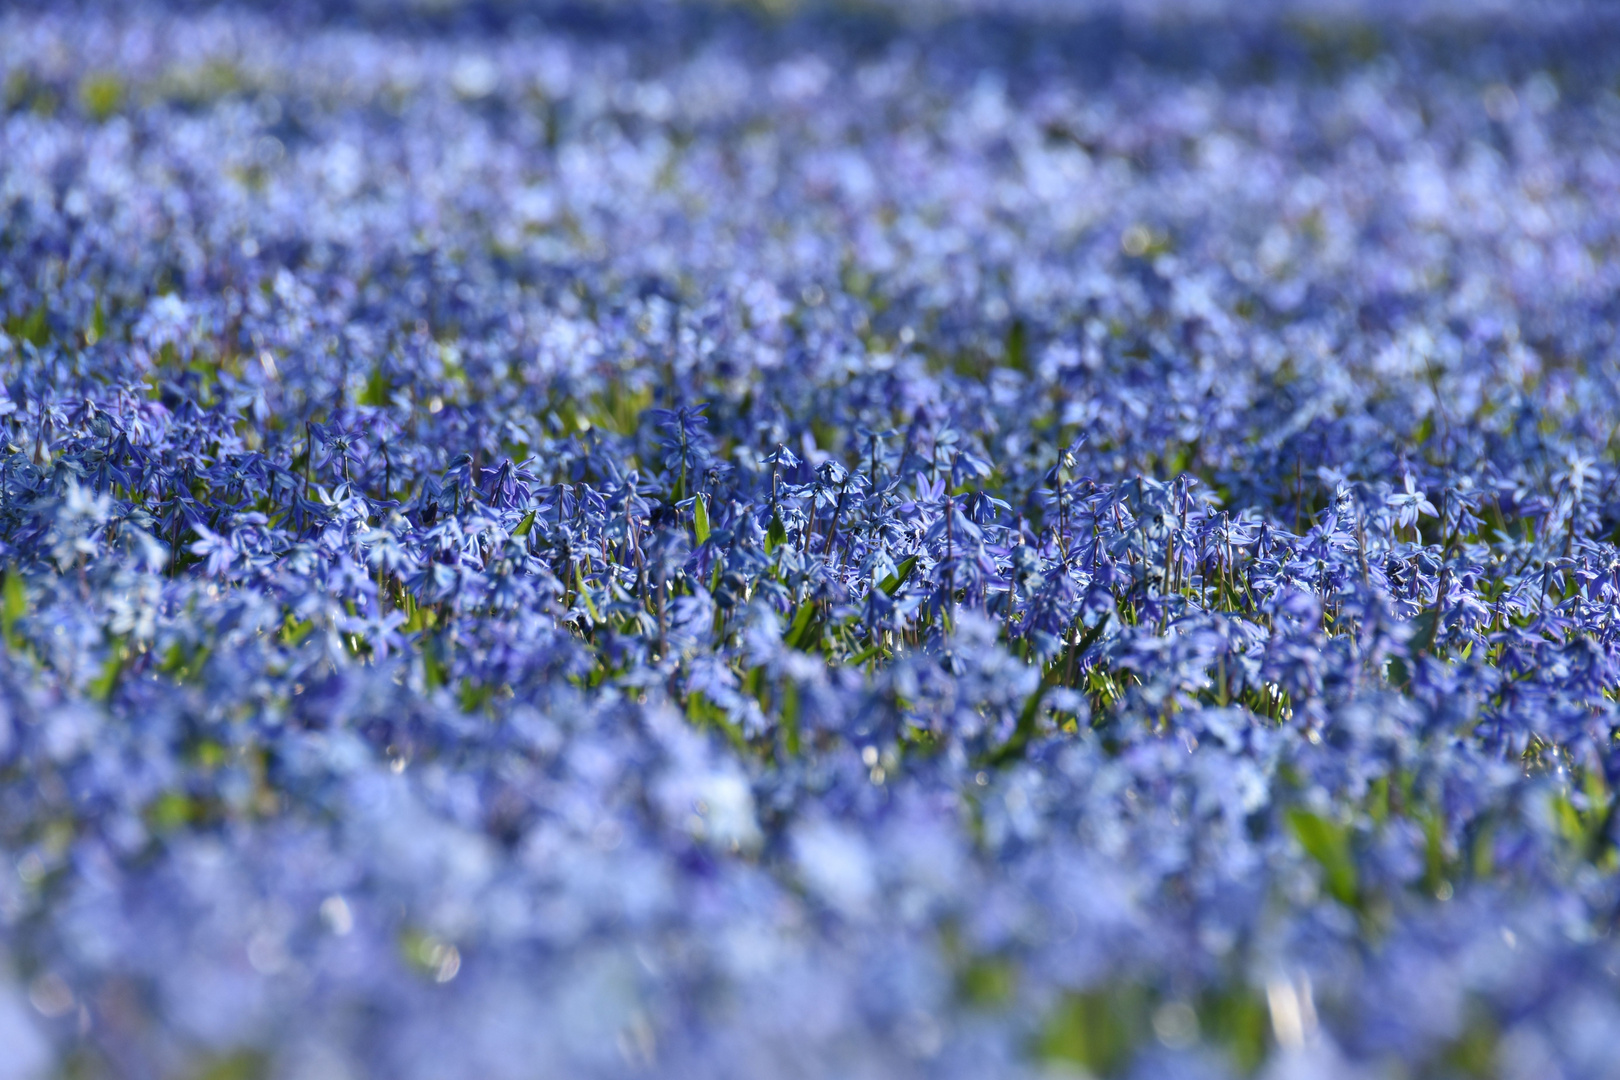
[690, 541]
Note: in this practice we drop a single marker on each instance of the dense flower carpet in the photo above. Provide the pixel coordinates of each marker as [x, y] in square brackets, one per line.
[772, 541]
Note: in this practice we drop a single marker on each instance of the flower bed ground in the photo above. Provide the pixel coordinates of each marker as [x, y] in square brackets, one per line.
[989, 541]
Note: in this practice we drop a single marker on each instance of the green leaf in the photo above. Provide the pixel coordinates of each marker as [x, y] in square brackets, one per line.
[775, 534]
[170, 811]
[864, 655]
[1053, 675]
[790, 716]
[801, 620]
[1483, 849]
[1097, 1030]
[1399, 675]
[293, 632]
[1237, 1019]
[1018, 346]
[1328, 842]
[209, 755]
[1474, 1051]
[584, 594]
[987, 982]
[1425, 626]
[101, 687]
[13, 606]
[433, 668]
[98, 324]
[703, 712]
[101, 94]
[417, 618]
[524, 526]
[472, 695]
[377, 391]
[891, 584]
[700, 518]
[1434, 850]
[34, 327]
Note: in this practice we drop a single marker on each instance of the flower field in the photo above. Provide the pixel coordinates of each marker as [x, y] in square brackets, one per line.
[978, 539]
